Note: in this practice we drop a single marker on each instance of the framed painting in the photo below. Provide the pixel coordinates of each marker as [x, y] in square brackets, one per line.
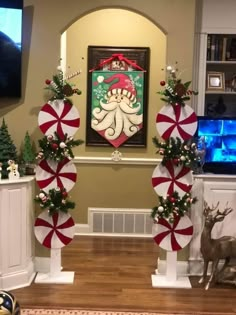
[215, 81]
[117, 96]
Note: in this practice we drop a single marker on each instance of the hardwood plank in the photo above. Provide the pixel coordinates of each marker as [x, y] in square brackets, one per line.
[115, 274]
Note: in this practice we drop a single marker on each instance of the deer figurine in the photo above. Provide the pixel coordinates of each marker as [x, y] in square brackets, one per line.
[215, 249]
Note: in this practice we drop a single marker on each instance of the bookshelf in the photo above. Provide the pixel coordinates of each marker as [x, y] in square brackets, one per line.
[220, 75]
[221, 47]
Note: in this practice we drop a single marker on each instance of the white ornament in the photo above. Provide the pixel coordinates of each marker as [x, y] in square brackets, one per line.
[62, 145]
[41, 195]
[49, 137]
[182, 158]
[160, 209]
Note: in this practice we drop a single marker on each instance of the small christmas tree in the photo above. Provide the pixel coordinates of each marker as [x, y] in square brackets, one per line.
[28, 155]
[28, 152]
[7, 149]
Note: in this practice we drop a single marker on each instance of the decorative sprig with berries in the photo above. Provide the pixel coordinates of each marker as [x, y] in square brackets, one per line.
[176, 151]
[57, 149]
[55, 200]
[61, 87]
[171, 206]
[175, 91]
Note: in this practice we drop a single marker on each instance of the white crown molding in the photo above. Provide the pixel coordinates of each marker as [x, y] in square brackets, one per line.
[109, 160]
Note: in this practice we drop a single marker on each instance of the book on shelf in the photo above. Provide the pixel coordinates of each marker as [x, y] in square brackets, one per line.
[224, 48]
[213, 47]
[221, 47]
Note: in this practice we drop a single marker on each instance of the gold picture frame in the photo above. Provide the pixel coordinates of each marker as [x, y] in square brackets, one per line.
[215, 81]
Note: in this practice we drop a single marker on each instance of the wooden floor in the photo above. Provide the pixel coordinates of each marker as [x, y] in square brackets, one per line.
[115, 274]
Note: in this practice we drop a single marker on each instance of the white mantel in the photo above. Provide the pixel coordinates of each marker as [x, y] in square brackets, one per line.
[16, 232]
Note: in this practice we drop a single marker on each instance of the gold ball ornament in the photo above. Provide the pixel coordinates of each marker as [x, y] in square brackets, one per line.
[8, 304]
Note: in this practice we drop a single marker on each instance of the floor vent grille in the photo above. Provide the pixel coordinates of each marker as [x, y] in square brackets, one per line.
[128, 222]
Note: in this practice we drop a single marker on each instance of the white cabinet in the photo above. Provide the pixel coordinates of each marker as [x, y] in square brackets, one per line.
[16, 233]
[211, 188]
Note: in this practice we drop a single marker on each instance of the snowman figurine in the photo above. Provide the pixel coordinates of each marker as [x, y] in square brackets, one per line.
[13, 170]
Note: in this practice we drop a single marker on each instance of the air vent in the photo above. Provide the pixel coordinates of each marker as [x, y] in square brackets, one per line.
[128, 222]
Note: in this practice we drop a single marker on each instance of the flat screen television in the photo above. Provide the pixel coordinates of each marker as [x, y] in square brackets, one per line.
[218, 136]
[10, 47]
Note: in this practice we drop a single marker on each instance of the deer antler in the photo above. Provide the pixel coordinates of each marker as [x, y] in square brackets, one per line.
[207, 210]
[221, 214]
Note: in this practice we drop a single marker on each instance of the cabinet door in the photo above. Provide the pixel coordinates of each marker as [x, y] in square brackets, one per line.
[225, 193]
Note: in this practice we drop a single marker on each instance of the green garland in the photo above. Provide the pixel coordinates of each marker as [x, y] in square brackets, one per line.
[61, 87]
[171, 206]
[179, 153]
[175, 91]
[55, 200]
[54, 148]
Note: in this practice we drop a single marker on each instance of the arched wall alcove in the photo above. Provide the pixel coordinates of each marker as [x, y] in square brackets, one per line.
[117, 28]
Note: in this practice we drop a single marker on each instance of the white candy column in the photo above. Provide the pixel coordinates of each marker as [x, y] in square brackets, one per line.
[57, 118]
[173, 121]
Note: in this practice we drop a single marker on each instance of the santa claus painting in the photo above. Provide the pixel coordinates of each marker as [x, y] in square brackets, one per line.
[117, 105]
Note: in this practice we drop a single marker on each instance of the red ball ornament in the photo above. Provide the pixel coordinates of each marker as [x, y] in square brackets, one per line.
[162, 83]
[48, 81]
[64, 194]
[54, 146]
[176, 161]
[172, 199]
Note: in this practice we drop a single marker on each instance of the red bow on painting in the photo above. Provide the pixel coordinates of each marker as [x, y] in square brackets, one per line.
[120, 57]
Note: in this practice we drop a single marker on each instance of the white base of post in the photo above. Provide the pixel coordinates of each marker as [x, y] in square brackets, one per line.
[55, 275]
[61, 278]
[170, 280]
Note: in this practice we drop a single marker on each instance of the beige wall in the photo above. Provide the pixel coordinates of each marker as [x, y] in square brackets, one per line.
[104, 28]
[153, 23]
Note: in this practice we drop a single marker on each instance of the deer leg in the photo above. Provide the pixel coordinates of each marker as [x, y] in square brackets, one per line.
[205, 267]
[227, 260]
[221, 271]
[212, 276]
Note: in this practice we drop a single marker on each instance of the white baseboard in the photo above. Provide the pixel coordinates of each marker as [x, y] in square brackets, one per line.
[82, 229]
[18, 279]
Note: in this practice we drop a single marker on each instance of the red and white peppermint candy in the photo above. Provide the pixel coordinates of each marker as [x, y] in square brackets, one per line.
[176, 121]
[51, 174]
[173, 236]
[169, 178]
[54, 231]
[59, 116]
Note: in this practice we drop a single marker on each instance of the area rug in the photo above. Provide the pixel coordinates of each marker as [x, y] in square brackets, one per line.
[82, 312]
[41, 311]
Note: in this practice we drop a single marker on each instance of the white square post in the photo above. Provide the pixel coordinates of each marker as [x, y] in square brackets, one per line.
[55, 275]
[170, 279]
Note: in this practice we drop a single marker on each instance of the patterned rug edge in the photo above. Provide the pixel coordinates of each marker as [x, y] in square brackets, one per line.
[84, 312]
[41, 311]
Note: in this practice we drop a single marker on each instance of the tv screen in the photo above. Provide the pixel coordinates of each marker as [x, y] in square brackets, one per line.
[10, 47]
[218, 136]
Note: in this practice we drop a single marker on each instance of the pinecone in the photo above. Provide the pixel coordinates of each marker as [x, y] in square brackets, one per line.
[67, 90]
[180, 89]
